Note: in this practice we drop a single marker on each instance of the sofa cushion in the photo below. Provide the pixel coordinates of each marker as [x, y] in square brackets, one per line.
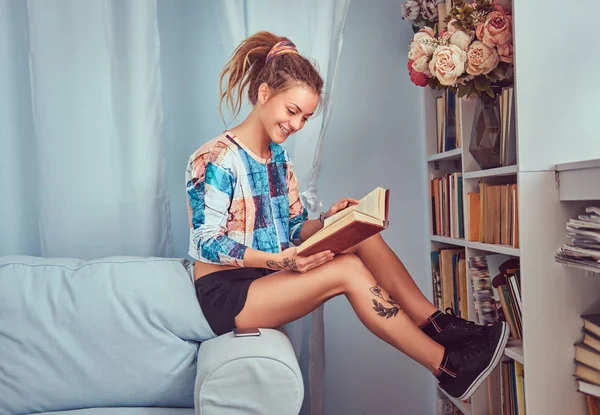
[125, 411]
[119, 331]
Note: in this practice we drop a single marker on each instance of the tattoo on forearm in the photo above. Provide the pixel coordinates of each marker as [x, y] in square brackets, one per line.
[380, 308]
[288, 264]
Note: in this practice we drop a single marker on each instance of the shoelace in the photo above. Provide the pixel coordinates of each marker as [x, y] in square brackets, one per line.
[471, 328]
[470, 352]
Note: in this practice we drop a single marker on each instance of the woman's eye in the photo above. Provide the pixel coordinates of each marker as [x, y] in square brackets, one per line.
[291, 112]
[305, 119]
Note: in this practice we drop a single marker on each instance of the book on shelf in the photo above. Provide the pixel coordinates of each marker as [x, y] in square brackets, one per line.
[588, 388]
[512, 392]
[448, 131]
[350, 226]
[508, 134]
[583, 248]
[494, 214]
[446, 195]
[592, 405]
[449, 277]
[496, 286]
[587, 362]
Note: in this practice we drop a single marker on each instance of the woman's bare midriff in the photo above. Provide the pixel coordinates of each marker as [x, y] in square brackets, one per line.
[202, 268]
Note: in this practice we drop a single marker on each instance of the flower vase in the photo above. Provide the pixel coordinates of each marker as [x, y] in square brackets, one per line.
[484, 144]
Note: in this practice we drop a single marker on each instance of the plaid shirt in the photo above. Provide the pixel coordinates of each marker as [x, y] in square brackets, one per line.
[238, 200]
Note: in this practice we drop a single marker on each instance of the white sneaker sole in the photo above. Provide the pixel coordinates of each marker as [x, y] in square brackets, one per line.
[499, 352]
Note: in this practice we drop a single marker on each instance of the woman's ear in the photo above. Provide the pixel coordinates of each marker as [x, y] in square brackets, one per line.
[263, 93]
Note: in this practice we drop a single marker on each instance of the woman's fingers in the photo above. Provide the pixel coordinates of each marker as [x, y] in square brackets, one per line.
[304, 264]
[318, 259]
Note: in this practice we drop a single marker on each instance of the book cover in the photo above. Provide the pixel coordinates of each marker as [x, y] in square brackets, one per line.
[449, 121]
[350, 226]
[482, 290]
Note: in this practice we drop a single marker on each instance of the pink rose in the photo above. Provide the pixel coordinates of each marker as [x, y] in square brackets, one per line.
[504, 6]
[417, 78]
[447, 64]
[496, 30]
[506, 52]
[479, 31]
[419, 46]
[481, 59]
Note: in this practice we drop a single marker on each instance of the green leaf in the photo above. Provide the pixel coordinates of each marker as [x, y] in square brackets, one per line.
[479, 83]
[490, 92]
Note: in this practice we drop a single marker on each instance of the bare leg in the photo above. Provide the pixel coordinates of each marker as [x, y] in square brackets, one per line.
[391, 274]
[286, 296]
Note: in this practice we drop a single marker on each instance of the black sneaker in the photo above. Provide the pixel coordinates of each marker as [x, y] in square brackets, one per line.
[451, 331]
[466, 367]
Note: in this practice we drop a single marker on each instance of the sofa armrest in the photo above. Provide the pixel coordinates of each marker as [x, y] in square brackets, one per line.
[248, 375]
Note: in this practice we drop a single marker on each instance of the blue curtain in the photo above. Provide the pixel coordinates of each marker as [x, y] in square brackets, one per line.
[103, 102]
[83, 165]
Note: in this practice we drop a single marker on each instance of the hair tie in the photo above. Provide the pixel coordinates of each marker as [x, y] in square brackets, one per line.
[281, 48]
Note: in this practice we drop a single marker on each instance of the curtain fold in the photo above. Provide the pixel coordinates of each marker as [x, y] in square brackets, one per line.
[95, 139]
[104, 101]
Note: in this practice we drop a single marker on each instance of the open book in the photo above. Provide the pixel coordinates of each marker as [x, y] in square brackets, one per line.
[351, 225]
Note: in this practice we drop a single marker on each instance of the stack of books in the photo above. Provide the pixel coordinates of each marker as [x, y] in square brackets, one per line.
[583, 248]
[447, 122]
[587, 359]
[493, 214]
[449, 277]
[496, 285]
[513, 388]
[446, 194]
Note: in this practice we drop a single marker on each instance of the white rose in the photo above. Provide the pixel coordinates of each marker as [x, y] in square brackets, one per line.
[422, 65]
[422, 44]
[447, 64]
[461, 39]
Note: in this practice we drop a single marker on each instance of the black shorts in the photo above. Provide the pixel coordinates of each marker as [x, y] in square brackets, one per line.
[222, 295]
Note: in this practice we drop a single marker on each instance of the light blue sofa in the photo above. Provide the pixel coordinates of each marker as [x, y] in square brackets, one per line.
[125, 335]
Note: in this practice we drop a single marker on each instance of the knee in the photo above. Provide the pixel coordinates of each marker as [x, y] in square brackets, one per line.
[352, 271]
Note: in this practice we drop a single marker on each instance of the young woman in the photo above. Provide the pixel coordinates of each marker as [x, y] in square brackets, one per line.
[245, 212]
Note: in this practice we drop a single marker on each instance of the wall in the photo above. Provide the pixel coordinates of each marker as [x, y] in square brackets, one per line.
[557, 84]
[376, 139]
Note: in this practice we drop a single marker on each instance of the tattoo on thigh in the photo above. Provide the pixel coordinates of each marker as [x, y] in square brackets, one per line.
[288, 264]
[380, 308]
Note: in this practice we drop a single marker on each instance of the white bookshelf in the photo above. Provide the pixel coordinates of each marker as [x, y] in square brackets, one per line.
[460, 160]
[514, 350]
[464, 407]
[554, 296]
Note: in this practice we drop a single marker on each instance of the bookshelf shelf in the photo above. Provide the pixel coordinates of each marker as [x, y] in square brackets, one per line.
[497, 172]
[498, 249]
[464, 407]
[448, 240]
[455, 154]
[579, 180]
[514, 350]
